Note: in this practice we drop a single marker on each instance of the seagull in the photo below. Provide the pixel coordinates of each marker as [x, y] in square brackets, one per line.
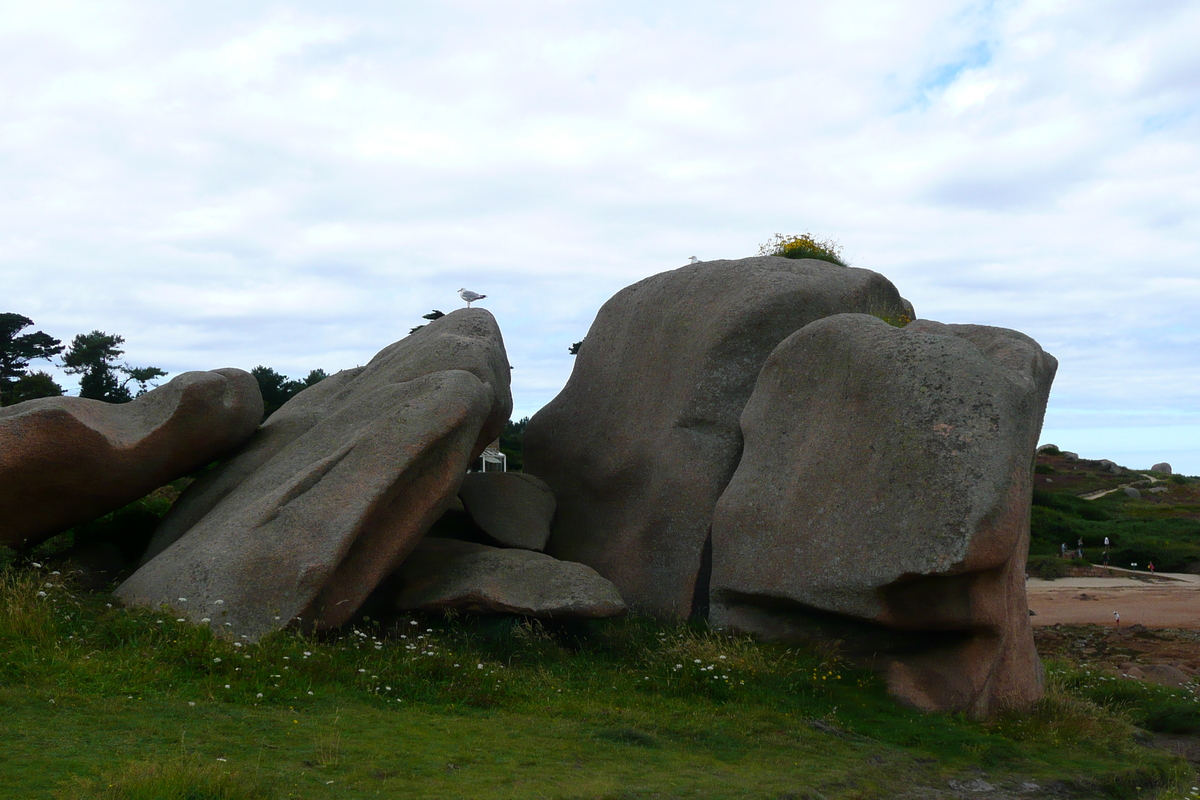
[693, 260]
[469, 296]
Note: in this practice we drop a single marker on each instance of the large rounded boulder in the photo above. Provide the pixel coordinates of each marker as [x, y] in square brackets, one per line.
[882, 499]
[644, 437]
[68, 460]
[335, 489]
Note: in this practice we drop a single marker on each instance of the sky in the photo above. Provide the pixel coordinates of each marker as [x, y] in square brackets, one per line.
[294, 184]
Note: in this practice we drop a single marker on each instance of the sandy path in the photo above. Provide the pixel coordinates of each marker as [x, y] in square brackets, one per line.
[1173, 602]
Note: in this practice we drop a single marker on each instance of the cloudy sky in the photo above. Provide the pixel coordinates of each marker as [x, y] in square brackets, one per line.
[293, 184]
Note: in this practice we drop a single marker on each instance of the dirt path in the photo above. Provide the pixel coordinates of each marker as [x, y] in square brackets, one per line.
[1097, 495]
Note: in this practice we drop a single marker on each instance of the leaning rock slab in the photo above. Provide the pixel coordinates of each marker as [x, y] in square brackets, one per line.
[335, 489]
[513, 508]
[644, 437]
[883, 498]
[446, 573]
[67, 460]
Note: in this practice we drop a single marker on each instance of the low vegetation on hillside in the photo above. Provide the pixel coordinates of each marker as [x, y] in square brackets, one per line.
[1162, 527]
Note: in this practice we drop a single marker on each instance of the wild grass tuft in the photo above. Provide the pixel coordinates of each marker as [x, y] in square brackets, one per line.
[176, 779]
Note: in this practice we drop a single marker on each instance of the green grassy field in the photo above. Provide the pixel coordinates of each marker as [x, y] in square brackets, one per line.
[102, 702]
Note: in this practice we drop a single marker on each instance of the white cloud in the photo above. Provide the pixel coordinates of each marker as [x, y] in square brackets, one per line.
[296, 184]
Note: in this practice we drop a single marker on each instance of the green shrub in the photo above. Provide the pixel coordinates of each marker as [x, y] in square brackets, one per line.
[1047, 567]
[803, 246]
[1045, 469]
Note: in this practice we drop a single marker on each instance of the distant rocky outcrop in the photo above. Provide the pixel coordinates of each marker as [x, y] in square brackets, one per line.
[335, 489]
[449, 574]
[644, 437]
[1162, 467]
[67, 460]
[882, 498]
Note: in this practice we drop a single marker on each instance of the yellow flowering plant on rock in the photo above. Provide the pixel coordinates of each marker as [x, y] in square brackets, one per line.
[803, 246]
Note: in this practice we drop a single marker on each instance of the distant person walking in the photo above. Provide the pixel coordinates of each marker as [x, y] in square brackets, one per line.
[1064, 549]
[1079, 548]
[1117, 617]
[1150, 567]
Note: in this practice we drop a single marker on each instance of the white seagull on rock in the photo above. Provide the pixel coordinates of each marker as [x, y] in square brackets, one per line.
[469, 296]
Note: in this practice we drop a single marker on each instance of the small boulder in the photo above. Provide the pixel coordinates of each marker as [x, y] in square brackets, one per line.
[1132, 493]
[1048, 448]
[513, 508]
[1162, 674]
[445, 573]
[1069, 457]
[1157, 489]
[1109, 467]
[1162, 467]
[68, 460]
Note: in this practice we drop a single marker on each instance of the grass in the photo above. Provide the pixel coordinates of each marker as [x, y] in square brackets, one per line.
[103, 702]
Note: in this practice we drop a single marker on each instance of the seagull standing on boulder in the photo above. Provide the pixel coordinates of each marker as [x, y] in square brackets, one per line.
[469, 296]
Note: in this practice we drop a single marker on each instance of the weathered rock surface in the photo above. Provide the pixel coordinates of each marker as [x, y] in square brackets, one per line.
[1132, 493]
[644, 437]
[66, 460]
[883, 498]
[1162, 674]
[446, 573]
[336, 488]
[513, 508]
[1109, 467]
[1162, 467]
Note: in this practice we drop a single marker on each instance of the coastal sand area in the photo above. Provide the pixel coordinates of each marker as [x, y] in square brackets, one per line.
[1158, 601]
[1160, 625]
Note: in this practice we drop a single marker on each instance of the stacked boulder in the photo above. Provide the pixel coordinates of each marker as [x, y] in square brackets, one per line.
[768, 443]
[645, 436]
[336, 490]
[753, 442]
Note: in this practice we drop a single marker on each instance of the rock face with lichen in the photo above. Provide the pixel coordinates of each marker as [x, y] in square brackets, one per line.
[883, 497]
[644, 437]
[67, 460]
[335, 489]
